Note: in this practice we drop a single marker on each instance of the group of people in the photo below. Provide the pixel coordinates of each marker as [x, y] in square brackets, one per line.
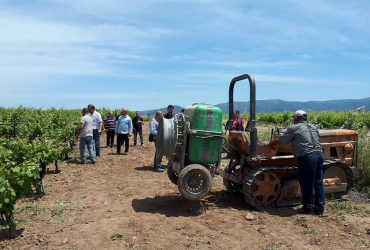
[92, 124]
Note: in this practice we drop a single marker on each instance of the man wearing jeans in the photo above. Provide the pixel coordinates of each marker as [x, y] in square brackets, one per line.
[308, 152]
[123, 130]
[97, 127]
[86, 136]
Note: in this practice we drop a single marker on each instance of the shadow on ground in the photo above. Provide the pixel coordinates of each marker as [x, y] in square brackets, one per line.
[144, 168]
[174, 205]
[4, 234]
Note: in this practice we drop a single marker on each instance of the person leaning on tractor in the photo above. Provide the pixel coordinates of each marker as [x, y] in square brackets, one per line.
[238, 122]
[86, 136]
[308, 152]
[153, 126]
[97, 127]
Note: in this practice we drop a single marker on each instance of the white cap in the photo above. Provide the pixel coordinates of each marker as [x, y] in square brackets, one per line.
[300, 114]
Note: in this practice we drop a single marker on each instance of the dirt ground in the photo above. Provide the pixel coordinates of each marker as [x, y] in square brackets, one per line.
[119, 203]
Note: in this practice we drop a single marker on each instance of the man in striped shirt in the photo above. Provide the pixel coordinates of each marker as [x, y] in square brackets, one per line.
[110, 127]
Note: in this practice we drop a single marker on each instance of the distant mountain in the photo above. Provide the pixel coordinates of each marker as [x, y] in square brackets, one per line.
[277, 105]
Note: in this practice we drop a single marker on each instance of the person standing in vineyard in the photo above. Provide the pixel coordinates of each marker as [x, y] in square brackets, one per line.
[169, 113]
[153, 126]
[138, 128]
[86, 136]
[110, 127]
[307, 150]
[97, 127]
[123, 130]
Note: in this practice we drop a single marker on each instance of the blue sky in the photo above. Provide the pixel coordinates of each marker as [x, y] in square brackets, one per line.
[145, 54]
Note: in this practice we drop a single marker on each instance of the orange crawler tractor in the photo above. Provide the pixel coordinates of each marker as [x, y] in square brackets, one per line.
[269, 176]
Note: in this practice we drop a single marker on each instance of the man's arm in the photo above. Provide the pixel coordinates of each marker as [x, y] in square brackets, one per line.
[153, 129]
[100, 123]
[288, 136]
[130, 127]
[117, 125]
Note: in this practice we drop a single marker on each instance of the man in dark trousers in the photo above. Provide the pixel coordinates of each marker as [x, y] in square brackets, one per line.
[308, 152]
[123, 130]
[137, 122]
[169, 113]
[110, 127]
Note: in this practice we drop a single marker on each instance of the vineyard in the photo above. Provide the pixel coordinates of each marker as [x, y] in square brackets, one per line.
[33, 139]
[30, 140]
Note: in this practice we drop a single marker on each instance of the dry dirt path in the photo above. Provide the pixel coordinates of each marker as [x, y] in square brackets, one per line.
[119, 203]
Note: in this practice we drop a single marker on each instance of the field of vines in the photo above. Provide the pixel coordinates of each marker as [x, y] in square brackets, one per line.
[32, 139]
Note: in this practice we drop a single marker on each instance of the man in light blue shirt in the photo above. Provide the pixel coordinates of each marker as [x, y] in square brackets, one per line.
[123, 130]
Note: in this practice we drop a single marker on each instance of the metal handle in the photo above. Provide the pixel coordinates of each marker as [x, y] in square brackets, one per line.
[252, 108]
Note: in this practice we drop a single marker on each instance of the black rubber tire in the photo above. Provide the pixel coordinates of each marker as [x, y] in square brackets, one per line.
[172, 175]
[194, 182]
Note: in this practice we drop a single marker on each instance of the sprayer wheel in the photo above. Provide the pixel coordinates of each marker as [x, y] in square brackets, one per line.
[172, 175]
[194, 182]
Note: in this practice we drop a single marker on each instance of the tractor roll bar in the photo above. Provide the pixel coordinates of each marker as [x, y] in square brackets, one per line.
[252, 109]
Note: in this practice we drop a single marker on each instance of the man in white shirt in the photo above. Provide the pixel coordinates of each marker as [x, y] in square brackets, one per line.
[97, 127]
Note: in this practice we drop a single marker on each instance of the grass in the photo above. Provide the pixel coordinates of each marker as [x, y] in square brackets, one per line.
[347, 207]
[116, 237]
[301, 221]
[31, 208]
[273, 246]
[57, 212]
[363, 163]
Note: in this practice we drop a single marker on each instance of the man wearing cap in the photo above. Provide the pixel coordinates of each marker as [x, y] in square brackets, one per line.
[308, 152]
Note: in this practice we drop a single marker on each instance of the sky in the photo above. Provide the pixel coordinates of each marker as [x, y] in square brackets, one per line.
[146, 54]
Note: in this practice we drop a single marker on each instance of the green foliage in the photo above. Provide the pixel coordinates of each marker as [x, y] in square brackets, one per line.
[30, 138]
[347, 207]
[117, 237]
[363, 162]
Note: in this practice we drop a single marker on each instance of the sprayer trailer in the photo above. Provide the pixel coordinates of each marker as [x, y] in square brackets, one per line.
[192, 142]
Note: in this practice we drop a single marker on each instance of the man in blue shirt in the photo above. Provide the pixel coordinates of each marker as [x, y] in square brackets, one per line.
[123, 130]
